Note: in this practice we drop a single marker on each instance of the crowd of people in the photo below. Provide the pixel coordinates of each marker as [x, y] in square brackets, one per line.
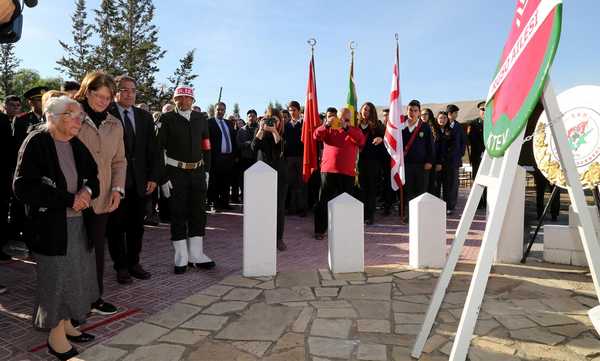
[88, 168]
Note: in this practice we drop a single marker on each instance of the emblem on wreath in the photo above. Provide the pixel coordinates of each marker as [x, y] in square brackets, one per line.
[577, 135]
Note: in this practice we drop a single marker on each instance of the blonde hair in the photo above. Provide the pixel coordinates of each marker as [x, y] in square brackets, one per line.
[51, 94]
[94, 81]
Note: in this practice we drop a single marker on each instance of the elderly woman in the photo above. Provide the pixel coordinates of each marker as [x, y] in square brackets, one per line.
[102, 134]
[56, 177]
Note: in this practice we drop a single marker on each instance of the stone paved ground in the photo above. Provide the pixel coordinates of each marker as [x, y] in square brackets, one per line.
[530, 313]
[386, 243]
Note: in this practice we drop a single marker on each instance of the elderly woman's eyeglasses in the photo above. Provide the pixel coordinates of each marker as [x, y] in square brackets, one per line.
[73, 115]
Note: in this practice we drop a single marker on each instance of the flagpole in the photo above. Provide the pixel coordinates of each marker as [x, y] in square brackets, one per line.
[352, 46]
[401, 187]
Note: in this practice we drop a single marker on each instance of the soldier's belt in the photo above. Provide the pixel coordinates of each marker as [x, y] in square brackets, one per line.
[184, 165]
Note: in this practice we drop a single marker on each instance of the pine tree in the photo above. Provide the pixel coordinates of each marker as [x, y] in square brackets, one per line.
[106, 51]
[77, 60]
[183, 75]
[8, 68]
[137, 49]
[211, 110]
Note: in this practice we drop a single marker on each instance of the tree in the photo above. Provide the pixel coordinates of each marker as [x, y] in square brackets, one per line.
[106, 51]
[25, 79]
[211, 110]
[183, 75]
[77, 60]
[236, 110]
[8, 67]
[137, 48]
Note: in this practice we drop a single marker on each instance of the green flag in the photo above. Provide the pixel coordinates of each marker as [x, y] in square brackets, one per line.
[351, 99]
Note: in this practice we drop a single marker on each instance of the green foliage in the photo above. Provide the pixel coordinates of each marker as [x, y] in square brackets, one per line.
[105, 53]
[236, 110]
[77, 59]
[25, 79]
[8, 67]
[183, 75]
[211, 110]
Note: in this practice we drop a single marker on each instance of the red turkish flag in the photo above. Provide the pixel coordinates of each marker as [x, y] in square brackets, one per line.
[311, 122]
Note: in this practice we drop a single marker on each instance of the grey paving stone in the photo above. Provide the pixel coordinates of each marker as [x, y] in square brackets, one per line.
[401, 354]
[268, 285]
[174, 315]
[257, 348]
[585, 346]
[483, 327]
[242, 294]
[297, 279]
[138, 334]
[408, 307]
[326, 291]
[184, 337]
[413, 299]
[515, 322]
[240, 281]
[367, 292]
[216, 290]
[434, 342]
[357, 276]
[333, 348]
[408, 275]
[408, 329]
[372, 352]
[537, 335]
[102, 353]
[374, 326]
[303, 320]
[325, 274]
[570, 331]
[336, 328]
[295, 354]
[566, 305]
[409, 318]
[551, 319]
[206, 322]
[282, 295]
[380, 279]
[331, 304]
[260, 323]
[336, 313]
[289, 341]
[160, 352]
[373, 309]
[200, 300]
[295, 304]
[219, 351]
[221, 308]
[328, 283]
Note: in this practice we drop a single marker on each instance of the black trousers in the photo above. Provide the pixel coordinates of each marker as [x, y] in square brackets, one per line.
[435, 183]
[369, 171]
[313, 188]
[332, 185]
[187, 202]
[282, 191]
[450, 185]
[96, 230]
[126, 230]
[245, 163]
[417, 180]
[475, 163]
[221, 177]
[296, 187]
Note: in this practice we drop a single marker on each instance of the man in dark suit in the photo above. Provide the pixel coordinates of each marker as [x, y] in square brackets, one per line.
[224, 150]
[21, 127]
[126, 224]
[456, 151]
[476, 144]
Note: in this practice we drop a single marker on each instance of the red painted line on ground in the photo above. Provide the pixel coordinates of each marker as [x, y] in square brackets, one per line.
[106, 321]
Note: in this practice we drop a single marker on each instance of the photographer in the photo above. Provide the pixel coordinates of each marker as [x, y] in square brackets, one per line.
[269, 145]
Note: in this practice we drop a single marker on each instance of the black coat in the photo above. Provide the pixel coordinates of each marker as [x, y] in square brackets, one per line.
[215, 138]
[146, 162]
[40, 184]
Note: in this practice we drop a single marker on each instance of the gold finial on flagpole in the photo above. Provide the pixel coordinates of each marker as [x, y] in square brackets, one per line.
[312, 42]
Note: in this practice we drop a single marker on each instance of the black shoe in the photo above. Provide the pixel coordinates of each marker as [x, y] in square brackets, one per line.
[449, 212]
[281, 245]
[3, 289]
[203, 265]
[386, 212]
[554, 218]
[319, 236]
[179, 270]
[103, 308]
[123, 277]
[369, 221]
[138, 272]
[84, 337]
[303, 213]
[62, 356]
[4, 256]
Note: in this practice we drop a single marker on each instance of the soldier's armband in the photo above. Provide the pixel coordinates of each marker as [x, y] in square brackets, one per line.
[205, 144]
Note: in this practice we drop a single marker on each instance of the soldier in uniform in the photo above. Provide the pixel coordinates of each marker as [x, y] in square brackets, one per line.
[21, 127]
[477, 145]
[184, 137]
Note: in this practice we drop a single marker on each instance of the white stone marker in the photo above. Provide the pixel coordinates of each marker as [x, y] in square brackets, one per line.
[510, 245]
[427, 229]
[260, 221]
[346, 234]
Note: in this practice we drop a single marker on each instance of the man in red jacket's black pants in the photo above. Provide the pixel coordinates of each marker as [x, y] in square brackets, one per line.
[338, 165]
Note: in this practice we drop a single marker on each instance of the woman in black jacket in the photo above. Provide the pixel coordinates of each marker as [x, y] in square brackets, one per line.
[268, 144]
[56, 178]
[370, 159]
[441, 136]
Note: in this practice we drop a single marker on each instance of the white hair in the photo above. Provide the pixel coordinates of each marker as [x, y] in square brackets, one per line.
[57, 105]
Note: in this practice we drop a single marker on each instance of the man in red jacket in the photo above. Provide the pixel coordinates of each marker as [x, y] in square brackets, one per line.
[338, 164]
